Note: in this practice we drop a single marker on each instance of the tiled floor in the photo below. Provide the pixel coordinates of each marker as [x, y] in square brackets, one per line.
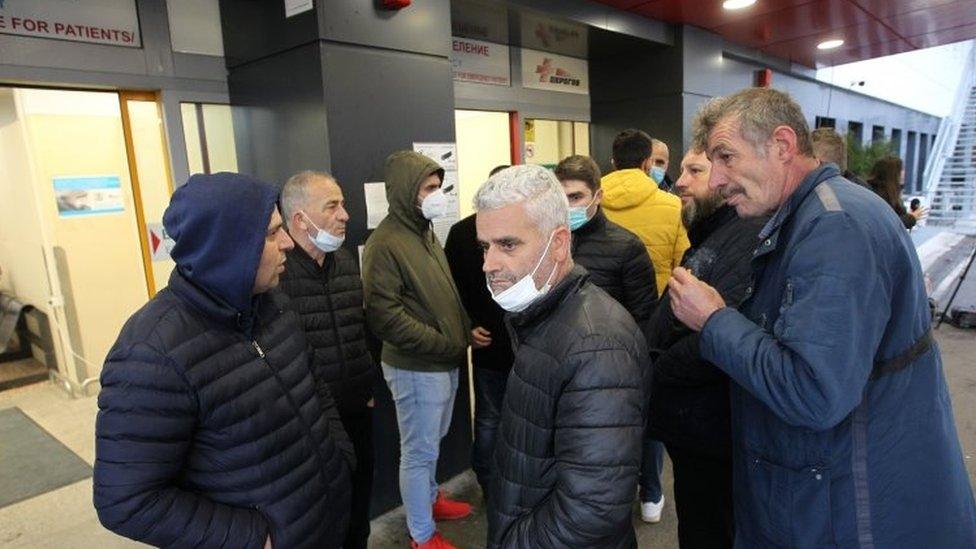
[65, 518]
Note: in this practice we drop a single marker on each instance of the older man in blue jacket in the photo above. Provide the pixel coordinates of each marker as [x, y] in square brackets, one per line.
[843, 431]
[212, 430]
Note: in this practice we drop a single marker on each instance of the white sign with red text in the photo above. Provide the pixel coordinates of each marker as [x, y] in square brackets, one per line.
[481, 62]
[113, 22]
[548, 71]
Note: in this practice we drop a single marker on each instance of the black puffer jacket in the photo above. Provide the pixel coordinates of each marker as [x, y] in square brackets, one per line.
[212, 430]
[618, 263]
[569, 444]
[689, 396]
[329, 300]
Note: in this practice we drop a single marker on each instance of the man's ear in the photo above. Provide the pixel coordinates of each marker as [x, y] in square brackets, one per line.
[561, 243]
[784, 142]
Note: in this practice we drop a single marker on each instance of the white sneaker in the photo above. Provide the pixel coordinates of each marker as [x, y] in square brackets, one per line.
[651, 511]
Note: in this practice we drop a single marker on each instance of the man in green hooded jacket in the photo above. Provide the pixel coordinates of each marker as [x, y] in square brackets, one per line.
[413, 306]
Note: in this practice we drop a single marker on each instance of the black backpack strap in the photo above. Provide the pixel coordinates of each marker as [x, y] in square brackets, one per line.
[901, 361]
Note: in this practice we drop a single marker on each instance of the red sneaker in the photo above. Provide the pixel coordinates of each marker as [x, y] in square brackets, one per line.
[449, 509]
[436, 542]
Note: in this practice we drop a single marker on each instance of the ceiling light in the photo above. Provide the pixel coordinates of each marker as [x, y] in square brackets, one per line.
[830, 44]
[737, 4]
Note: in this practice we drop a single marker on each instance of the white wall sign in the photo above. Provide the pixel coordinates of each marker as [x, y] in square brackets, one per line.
[160, 244]
[548, 71]
[543, 33]
[482, 62]
[376, 204]
[445, 154]
[112, 22]
[294, 7]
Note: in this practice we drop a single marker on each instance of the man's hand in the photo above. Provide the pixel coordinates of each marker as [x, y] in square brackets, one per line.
[371, 403]
[480, 338]
[920, 213]
[692, 300]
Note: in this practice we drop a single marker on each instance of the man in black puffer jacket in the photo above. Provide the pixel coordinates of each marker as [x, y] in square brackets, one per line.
[322, 280]
[690, 410]
[568, 450]
[212, 430]
[615, 257]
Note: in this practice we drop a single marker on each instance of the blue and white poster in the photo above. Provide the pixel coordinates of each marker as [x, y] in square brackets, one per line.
[88, 195]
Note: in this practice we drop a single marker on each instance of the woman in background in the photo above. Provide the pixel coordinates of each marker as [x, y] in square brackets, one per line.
[886, 180]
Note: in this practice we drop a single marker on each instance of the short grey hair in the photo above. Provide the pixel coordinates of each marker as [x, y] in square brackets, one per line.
[294, 194]
[535, 186]
[759, 112]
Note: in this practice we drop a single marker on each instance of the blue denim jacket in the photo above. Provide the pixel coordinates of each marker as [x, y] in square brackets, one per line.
[843, 431]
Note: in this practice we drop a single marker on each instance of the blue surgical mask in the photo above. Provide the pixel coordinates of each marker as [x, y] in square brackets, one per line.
[657, 173]
[324, 240]
[578, 216]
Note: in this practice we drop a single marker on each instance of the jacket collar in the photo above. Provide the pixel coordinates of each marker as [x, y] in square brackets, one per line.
[701, 230]
[551, 300]
[770, 233]
[217, 310]
[303, 259]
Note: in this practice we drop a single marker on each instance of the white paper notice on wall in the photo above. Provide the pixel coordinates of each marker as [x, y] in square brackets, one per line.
[376, 205]
[294, 7]
[445, 154]
[160, 244]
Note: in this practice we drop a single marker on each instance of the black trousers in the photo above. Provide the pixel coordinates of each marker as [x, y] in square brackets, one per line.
[359, 426]
[703, 499]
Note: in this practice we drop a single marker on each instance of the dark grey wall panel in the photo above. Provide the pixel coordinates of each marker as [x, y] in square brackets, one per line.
[258, 28]
[279, 116]
[423, 27]
[380, 101]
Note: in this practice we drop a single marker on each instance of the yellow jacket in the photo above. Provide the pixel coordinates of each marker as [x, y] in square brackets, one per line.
[632, 200]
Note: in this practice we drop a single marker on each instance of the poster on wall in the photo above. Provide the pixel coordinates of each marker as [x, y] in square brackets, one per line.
[376, 204]
[88, 195]
[160, 243]
[481, 62]
[444, 154]
[548, 71]
[540, 32]
[113, 22]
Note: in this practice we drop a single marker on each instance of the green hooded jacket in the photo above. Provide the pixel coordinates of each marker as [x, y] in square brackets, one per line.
[411, 301]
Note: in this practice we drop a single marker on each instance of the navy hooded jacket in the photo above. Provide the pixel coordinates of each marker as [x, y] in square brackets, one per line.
[212, 431]
[843, 434]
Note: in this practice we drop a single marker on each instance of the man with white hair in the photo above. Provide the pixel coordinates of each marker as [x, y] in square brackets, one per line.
[569, 446]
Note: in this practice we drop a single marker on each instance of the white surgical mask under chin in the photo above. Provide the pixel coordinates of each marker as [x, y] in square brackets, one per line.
[434, 205]
[324, 240]
[517, 297]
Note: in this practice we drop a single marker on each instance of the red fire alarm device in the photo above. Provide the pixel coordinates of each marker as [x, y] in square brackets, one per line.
[395, 4]
[764, 78]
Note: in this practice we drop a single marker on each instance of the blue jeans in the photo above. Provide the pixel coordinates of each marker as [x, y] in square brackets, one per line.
[489, 392]
[652, 463]
[424, 404]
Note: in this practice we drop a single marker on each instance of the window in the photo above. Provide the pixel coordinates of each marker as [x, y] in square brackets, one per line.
[825, 122]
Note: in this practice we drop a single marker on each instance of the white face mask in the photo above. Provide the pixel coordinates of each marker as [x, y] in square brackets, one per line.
[434, 205]
[517, 297]
[324, 240]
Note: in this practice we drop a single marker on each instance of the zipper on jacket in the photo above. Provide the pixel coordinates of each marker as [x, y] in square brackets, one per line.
[335, 329]
[294, 405]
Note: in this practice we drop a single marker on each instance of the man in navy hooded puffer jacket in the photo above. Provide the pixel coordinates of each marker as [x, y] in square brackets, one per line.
[212, 430]
[843, 434]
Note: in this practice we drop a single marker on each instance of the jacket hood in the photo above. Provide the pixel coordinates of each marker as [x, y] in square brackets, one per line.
[219, 223]
[403, 172]
[624, 189]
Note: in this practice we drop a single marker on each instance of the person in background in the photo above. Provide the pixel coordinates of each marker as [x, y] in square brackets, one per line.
[213, 428]
[829, 146]
[491, 352]
[661, 160]
[886, 180]
[322, 280]
[633, 200]
[615, 258]
[413, 306]
[568, 448]
[690, 411]
[843, 432]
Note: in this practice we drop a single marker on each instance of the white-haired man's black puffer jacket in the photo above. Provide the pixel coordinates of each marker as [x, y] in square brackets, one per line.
[569, 446]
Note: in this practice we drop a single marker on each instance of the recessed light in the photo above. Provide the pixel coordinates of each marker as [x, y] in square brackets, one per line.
[737, 4]
[830, 44]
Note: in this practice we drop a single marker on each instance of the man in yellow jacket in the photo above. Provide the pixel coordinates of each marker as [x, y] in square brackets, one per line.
[633, 200]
